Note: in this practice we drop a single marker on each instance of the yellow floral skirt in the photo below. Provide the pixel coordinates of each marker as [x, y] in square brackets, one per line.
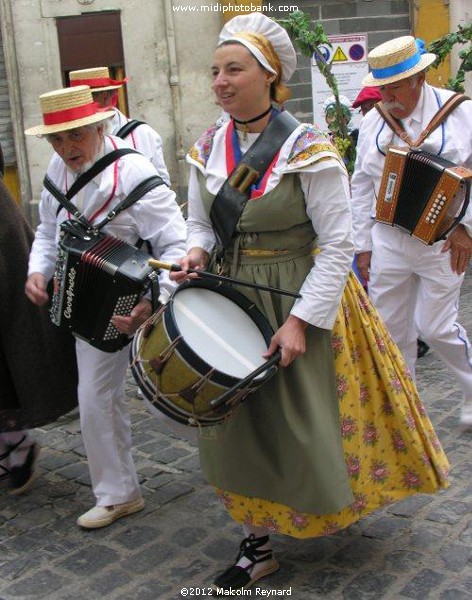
[390, 446]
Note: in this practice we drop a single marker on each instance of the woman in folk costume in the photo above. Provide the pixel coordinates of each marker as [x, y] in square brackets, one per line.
[339, 430]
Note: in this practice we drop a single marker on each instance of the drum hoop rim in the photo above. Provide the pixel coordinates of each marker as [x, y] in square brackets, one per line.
[161, 402]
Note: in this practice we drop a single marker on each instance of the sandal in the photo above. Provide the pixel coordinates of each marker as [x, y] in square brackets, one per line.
[4, 471]
[237, 577]
[22, 476]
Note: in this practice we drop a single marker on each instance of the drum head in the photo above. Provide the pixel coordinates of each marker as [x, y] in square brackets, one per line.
[219, 331]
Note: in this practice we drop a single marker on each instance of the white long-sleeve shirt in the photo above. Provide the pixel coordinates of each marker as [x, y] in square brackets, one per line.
[452, 140]
[326, 188]
[145, 139]
[156, 217]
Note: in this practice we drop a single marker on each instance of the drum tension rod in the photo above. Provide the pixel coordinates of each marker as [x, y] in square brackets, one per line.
[158, 264]
[226, 396]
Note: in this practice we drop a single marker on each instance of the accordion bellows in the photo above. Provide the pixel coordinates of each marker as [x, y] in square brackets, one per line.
[423, 194]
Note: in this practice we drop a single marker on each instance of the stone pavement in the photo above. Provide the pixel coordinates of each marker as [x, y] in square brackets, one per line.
[420, 548]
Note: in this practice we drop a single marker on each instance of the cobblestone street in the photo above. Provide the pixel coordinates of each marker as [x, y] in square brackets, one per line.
[420, 548]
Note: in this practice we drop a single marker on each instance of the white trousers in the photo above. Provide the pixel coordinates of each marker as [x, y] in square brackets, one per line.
[106, 424]
[416, 292]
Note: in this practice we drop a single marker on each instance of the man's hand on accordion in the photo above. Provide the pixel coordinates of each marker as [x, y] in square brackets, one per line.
[138, 315]
[35, 289]
[459, 243]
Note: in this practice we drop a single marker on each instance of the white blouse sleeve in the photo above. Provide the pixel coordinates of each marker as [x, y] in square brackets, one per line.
[327, 204]
[200, 231]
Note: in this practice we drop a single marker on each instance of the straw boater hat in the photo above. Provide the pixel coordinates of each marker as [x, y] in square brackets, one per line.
[397, 59]
[97, 78]
[67, 109]
[258, 23]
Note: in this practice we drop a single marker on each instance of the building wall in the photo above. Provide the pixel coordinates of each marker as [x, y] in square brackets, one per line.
[159, 83]
[173, 93]
[430, 22]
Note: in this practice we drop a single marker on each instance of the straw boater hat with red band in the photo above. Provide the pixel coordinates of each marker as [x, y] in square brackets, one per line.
[397, 59]
[97, 78]
[68, 108]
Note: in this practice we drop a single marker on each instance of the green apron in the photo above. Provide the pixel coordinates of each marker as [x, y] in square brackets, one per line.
[283, 443]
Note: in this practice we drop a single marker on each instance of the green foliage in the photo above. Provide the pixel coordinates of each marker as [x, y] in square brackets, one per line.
[442, 47]
[308, 41]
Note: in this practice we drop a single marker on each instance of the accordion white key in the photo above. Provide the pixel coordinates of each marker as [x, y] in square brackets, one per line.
[423, 194]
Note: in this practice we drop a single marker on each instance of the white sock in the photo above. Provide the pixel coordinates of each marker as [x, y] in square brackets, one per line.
[258, 533]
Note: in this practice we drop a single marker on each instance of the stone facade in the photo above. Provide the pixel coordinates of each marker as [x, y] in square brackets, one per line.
[167, 56]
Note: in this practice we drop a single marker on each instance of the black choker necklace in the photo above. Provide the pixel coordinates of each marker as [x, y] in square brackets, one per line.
[245, 123]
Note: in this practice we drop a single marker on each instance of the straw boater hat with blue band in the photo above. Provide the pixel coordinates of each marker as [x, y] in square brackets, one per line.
[68, 108]
[397, 59]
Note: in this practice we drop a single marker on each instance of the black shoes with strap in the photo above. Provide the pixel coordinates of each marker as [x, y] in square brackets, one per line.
[261, 564]
[22, 476]
[4, 471]
[19, 478]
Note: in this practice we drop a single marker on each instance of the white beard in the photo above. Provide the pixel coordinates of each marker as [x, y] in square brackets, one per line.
[85, 167]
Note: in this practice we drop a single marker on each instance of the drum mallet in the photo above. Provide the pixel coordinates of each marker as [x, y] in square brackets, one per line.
[158, 264]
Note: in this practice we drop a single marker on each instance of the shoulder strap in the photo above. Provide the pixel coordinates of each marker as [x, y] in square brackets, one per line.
[393, 123]
[97, 168]
[233, 195]
[138, 192]
[442, 114]
[83, 179]
[128, 128]
[396, 126]
[64, 202]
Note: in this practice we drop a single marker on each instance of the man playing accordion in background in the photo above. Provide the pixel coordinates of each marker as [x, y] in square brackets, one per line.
[76, 130]
[414, 283]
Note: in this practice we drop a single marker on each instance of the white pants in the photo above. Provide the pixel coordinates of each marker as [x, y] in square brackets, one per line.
[417, 294]
[106, 424]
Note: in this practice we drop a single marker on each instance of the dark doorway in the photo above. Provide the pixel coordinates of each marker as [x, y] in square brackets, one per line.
[93, 40]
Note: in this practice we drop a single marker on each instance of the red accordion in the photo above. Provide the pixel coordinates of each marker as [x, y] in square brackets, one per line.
[423, 194]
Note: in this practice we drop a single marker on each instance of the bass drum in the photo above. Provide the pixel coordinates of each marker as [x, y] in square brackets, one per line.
[207, 340]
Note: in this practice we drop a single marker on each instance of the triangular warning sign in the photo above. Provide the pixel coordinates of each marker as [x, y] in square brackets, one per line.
[339, 55]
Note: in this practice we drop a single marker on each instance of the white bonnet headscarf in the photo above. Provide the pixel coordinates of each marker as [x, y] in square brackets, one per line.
[260, 24]
[331, 101]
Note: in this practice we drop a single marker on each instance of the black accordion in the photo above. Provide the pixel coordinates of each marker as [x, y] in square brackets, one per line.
[423, 194]
[97, 276]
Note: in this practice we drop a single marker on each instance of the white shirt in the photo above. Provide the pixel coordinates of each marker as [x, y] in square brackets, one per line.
[325, 185]
[144, 139]
[155, 217]
[453, 141]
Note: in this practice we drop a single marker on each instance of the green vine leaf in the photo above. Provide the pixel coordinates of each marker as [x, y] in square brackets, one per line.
[307, 40]
[443, 47]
